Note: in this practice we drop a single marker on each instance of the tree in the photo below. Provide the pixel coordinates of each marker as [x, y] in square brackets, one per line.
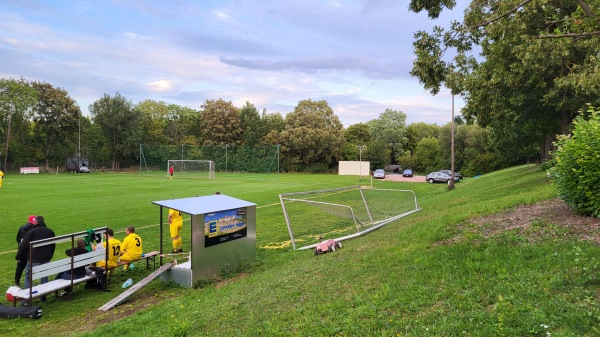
[427, 154]
[536, 68]
[183, 125]
[390, 129]
[154, 121]
[377, 153]
[356, 135]
[119, 123]
[312, 138]
[480, 155]
[274, 124]
[17, 97]
[417, 131]
[252, 126]
[56, 117]
[220, 124]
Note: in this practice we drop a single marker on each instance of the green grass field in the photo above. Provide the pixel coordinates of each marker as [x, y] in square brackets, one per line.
[396, 281]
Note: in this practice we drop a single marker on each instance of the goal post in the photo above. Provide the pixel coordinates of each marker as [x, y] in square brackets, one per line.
[342, 213]
[239, 162]
[203, 168]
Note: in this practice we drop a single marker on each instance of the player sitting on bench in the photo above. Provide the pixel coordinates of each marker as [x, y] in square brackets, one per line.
[131, 248]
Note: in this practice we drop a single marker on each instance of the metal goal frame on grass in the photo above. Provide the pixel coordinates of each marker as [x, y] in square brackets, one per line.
[199, 167]
[357, 209]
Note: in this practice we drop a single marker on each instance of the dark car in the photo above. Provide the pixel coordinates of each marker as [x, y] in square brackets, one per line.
[439, 177]
[407, 173]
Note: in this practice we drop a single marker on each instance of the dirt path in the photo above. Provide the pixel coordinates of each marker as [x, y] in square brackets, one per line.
[546, 219]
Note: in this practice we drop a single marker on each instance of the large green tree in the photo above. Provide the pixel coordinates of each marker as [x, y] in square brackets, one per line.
[220, 123]
[427, 154]
[536, 65]
[120, 124]
[154, 121]
[17, 98]
[312, 138]
[417, 131]
[358, 139]
[274, 124]
[253, 128]
[56, 124]
[390, 129]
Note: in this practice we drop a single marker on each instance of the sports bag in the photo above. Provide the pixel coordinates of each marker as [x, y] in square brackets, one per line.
[20, 312]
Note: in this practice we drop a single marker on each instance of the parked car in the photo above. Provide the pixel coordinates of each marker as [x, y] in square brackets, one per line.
[449, 172]
[439, 177]
[379, 174]
[407, 173]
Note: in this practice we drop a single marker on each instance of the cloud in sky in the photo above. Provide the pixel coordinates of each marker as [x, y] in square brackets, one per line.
[355, 54]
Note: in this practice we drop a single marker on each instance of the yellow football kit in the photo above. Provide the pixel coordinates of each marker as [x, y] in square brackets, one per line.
[132, 246]
[114, 251]
[175, 224]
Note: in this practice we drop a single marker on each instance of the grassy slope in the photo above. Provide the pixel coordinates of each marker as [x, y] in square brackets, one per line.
[394, 281]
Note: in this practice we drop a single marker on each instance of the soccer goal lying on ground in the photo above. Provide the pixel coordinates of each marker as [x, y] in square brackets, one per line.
[204, 168]
[342, 213]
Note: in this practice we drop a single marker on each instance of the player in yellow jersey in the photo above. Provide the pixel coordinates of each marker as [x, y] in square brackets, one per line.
[131, 248]
[175, 224]
[1, 177]
[114, 250]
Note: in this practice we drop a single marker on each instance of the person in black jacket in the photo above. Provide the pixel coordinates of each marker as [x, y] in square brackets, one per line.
[21, 262]
[78, 272]
[39, 255]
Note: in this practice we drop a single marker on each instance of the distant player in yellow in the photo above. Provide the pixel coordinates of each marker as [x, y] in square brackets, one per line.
[175, 224]
[114, 250]
[131, 248]
[1, 177]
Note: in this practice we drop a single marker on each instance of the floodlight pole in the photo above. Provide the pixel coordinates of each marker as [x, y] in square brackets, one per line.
[2, 91]
[360, 149]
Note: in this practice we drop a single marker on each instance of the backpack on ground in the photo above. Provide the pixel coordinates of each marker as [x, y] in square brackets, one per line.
[99, 281]
[20, 312]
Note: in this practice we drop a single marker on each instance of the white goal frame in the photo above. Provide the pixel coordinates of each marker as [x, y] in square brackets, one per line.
[211, 166]
[360, 228]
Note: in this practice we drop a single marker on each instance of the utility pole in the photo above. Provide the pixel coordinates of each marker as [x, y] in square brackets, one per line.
[2, 91]
[360, 150]
[451, 181]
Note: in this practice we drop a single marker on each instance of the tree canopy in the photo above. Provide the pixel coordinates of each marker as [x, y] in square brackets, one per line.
[313, 134]
[56, 121]
[119, 123]
[524, 68]
[220, 123]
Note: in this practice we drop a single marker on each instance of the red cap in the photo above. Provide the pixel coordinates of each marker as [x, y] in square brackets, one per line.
[31, 218]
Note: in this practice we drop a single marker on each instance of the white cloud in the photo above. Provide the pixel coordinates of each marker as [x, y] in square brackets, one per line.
[272, 53]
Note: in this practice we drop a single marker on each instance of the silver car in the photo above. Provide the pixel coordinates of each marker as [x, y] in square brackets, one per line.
[379, 174]
[449, 172]
[440, 177]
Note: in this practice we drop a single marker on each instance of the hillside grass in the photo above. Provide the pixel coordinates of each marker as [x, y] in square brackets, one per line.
[400, 280]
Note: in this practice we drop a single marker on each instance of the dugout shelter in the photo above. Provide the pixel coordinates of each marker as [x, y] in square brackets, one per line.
[223, 237]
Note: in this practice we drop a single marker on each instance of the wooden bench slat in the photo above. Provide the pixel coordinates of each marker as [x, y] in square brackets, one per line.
[50, 287]
[55, 267]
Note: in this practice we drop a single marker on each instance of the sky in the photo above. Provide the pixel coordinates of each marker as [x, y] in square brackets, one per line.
[355, 54]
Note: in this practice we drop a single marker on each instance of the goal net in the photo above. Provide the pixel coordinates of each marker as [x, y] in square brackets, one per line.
[187, 168]
[342, 213]
[248, 162]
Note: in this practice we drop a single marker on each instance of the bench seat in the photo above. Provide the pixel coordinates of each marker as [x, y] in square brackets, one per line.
[48, 288]
[147, 256]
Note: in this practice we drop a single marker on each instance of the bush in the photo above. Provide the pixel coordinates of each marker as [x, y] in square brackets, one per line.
[577, 170]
